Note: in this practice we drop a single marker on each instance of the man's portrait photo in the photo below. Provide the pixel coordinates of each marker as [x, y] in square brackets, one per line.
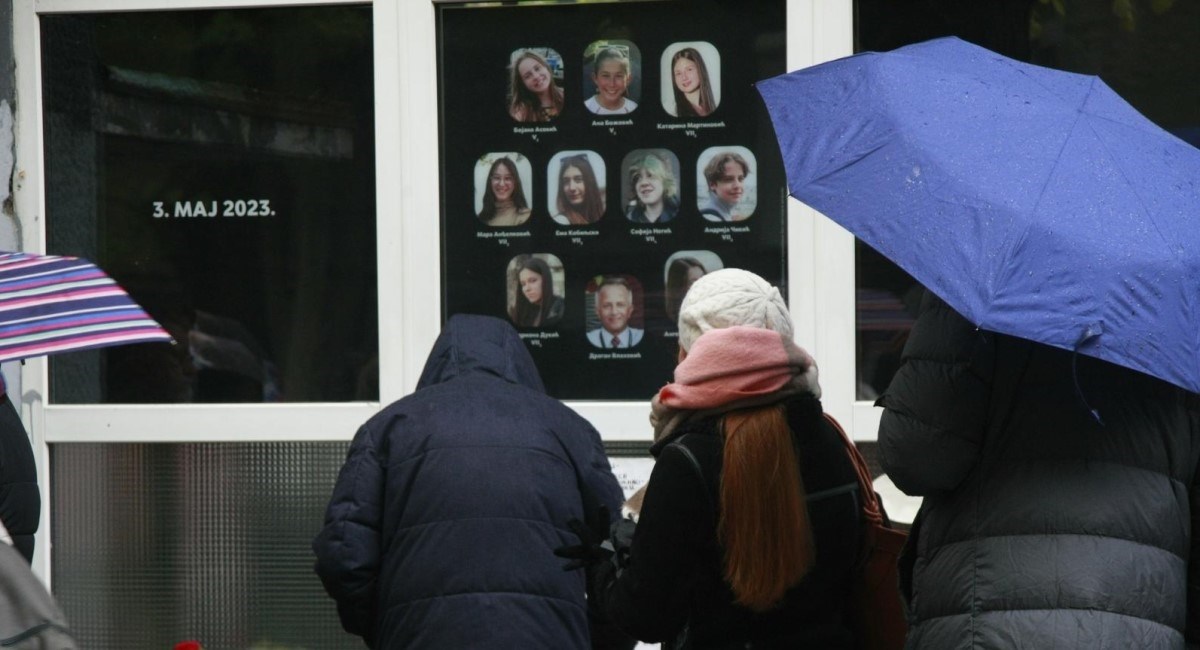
[615, 300]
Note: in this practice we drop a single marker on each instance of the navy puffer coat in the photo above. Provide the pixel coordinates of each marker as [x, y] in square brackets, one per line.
[1041, 527]
[443, 522]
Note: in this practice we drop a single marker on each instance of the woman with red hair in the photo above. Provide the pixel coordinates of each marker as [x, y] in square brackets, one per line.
[749, 526]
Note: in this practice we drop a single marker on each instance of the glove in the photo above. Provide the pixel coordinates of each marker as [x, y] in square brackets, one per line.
[621, 538]
[593, 537]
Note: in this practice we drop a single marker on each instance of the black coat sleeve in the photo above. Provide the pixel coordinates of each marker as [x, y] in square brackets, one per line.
[935, 409]
[598, 480]
[1192, 626]
[649, 598]
[348, 546]
[1192, 629]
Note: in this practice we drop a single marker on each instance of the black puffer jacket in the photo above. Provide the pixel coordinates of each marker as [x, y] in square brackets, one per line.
[673, 588]
[20, 500]
[442, 525]
[1041, 528]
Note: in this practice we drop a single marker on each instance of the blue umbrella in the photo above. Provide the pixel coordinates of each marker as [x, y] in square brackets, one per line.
[1036, 202]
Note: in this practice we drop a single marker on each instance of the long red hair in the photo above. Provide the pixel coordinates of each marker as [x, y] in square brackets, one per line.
[764, 526]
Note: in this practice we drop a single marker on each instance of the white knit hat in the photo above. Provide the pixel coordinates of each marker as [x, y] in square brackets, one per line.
[730, 297]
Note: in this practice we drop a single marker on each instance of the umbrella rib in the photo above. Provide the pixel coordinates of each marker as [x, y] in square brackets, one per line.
[1017, 241]
[1175, 254]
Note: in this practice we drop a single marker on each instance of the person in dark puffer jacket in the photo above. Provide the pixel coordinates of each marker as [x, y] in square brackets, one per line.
[441, 527]
[20, 498]
[1043, 526]
[721, 557]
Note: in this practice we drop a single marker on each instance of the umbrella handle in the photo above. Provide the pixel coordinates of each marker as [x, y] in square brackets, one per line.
[1090, 333]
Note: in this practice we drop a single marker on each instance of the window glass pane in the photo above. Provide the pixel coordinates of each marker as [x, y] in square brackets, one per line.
[598, 157]
[220, 165]
[218, 550]
[1147, 52]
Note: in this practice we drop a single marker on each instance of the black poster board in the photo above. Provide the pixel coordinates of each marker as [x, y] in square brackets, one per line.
[591, 180]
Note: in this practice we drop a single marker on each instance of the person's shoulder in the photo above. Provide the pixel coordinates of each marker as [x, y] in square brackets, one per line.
[670, 211]
[630, 105]
[592, 105]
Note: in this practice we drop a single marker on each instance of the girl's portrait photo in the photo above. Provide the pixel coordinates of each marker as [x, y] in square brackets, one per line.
[691, 79]
[650, 186]
[536, 284]
[681, 270]
[535, 91]
[501, 200]
[576, 187]
[612, 77]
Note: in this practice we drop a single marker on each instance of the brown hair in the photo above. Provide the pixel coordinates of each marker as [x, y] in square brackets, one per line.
[523, 105]
[764, 526]
[683, 107]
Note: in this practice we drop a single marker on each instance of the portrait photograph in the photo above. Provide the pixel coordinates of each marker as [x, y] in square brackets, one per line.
[536, 286]
[613, 304]
[535, 84]
[681, 270]
[502, 189]
[575, 186]
[650, 186]
[726, 185]
[691, 79]
[612, 77]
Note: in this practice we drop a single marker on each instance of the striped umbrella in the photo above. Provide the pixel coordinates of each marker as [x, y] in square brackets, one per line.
[52, 304]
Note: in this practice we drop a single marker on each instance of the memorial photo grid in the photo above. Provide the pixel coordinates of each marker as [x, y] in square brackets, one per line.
[595, 159]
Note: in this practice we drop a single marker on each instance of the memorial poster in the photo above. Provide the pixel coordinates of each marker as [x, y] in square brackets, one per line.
[595, 160]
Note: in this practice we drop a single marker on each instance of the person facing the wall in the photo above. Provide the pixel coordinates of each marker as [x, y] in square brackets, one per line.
[1042, 525]
[442, 521]
[749, 527]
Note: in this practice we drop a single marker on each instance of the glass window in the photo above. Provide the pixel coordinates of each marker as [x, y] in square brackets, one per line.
[219, 551]
[220, 165]
[1148, 53]
[596, 158]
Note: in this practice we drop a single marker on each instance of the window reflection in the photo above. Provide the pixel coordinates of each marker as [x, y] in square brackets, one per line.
[220, 165]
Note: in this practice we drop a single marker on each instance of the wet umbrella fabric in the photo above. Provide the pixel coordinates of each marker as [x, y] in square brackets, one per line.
[1036, 202]
[51, 304]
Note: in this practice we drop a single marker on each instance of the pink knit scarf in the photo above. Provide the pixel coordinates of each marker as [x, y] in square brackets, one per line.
[726, 370]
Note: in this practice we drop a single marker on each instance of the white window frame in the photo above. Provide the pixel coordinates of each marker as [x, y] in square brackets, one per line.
[820, 253]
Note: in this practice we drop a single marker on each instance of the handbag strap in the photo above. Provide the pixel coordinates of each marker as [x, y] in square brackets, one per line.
[871, 510]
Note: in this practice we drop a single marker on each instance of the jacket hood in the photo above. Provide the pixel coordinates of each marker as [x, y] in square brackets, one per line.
[470, 343]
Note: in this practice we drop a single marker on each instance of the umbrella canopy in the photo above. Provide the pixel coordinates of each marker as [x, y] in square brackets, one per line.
[1036, 202]
[52, 304]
